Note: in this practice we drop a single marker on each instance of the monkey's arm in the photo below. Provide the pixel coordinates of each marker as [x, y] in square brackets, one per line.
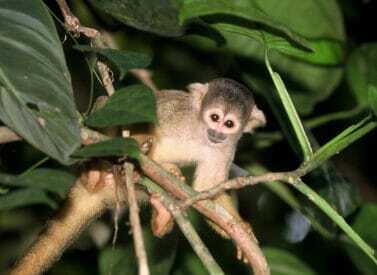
[81, 208]
[207, 175]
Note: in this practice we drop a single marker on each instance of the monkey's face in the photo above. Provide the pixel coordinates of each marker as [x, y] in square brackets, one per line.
[222, 127]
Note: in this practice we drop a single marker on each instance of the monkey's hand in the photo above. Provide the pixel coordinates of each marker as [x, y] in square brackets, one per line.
[162, 220]
[174, 170]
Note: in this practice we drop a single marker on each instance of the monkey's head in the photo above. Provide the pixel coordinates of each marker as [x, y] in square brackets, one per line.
[227, 109]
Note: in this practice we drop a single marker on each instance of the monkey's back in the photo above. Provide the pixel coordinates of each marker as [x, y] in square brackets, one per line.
[174, 111]
[174, 131]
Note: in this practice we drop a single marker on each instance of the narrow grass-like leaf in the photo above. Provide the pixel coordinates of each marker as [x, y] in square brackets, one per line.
[335, 217]
[337, 144]
[291, 112]
[367, 230]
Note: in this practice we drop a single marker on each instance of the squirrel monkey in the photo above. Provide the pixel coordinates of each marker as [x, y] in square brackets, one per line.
[201, 127]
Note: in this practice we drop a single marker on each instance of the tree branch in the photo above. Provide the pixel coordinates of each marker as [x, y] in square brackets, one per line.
[237, 183]
[135, 221]
[186, 227]
[232, 226]
[213, 211]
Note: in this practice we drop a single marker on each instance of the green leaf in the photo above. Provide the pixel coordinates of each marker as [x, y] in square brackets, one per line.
[308, 83]
[341, 194]
[122, 60]
[366, 226]
[324, 52]
[362, 74]
[338, 143]
[133, 104]
[245, 10]
[283, 262]
[290, 110]
[35, 87]
[160, 17]
[25, 197]
[55, 181]
[336, 218]
[112, 147]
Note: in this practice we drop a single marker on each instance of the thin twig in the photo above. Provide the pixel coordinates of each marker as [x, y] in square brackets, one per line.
[7, 135]
[73, 24]
[135, 221]
[236, 183]
[186, 227]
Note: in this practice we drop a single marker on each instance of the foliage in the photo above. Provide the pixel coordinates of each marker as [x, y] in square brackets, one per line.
[295, 55]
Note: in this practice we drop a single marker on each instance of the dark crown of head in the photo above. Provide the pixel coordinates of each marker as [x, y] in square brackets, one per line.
[231, 90]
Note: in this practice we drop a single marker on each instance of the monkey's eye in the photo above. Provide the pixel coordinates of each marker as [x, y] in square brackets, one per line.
[229, 124]
[215, 117]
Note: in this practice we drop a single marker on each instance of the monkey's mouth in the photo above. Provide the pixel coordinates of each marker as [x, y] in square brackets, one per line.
[215, 137]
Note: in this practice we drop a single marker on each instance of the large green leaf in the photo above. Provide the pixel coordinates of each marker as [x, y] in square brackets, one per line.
[282, 262]
[133, 104]
[324, 51]
[35, 88]
[25, 197]
[160, 17]
[56, 181]
[319, 21]
[247, 10]
[122, 60]
[112, 147]
[366, 226]
[362, 74]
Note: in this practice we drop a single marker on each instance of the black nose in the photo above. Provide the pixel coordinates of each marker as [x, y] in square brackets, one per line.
[215, 136]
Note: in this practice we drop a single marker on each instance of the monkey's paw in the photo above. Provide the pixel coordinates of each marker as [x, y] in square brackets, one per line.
[174, 170]
[162, 221]
[146, 146]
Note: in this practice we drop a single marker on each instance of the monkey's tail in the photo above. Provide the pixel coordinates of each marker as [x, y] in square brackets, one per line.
[81, 208]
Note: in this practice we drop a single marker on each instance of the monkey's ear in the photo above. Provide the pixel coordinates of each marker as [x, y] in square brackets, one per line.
[198, 91]
[256, 119]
